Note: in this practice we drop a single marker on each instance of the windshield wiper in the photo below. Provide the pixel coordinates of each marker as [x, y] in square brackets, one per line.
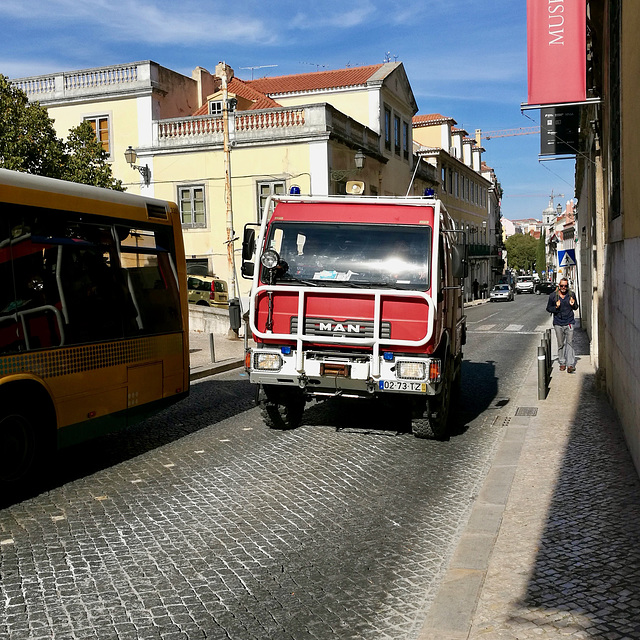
[313, 283]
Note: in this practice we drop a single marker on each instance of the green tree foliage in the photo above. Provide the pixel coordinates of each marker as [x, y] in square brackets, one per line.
[521, 251]
[541, 255]
[28, 143]
[28, 140]
[86, 160]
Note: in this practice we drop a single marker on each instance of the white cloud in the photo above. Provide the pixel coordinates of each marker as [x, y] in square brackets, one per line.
[333, 15]
[186, 23]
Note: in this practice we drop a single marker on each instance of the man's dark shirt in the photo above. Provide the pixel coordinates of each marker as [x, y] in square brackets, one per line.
[564, 315]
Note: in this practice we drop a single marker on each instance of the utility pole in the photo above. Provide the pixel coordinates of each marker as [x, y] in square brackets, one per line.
[225, 73]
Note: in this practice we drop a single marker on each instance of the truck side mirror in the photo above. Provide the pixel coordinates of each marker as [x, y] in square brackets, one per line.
[460, 260]
[248, 250]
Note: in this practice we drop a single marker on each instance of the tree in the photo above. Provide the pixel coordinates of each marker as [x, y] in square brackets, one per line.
[541, 254]
[29, 143]
[28, 140]
[87, 160]
[521, 251]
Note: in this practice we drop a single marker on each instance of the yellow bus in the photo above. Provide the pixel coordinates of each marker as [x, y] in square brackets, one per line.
[93, 316]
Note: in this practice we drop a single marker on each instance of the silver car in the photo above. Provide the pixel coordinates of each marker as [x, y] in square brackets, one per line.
[501, 292]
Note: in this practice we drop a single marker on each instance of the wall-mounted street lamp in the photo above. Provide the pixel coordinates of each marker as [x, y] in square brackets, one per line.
[340, 174]
[131, 157]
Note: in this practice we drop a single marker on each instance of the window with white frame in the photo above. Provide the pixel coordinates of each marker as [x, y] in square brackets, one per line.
[215, 107]
[192, 206]
[100, 126]
[396, 134]
[266, 189]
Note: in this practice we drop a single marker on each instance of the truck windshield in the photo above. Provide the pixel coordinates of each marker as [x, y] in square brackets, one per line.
[362, 254]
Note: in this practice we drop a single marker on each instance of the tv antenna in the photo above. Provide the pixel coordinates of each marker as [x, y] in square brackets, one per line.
[314, 64]
[259, 66]
[388, 56]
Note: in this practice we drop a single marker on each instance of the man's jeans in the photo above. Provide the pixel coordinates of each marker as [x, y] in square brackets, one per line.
[566, 354]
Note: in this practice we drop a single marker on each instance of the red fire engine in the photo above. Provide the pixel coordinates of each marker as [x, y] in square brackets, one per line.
[357, 297]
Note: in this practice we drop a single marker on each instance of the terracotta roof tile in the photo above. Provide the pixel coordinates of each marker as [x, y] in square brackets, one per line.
[315, 81]
[242, 90]
[430, 118]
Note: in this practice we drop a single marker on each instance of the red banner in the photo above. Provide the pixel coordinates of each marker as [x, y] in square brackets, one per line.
[556, 50]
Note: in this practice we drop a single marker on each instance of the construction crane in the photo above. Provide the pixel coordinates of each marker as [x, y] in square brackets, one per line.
[551, 196]
[505, 133]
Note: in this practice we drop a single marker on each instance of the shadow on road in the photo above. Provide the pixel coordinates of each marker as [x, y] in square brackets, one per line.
[478, 394]
[208, 403]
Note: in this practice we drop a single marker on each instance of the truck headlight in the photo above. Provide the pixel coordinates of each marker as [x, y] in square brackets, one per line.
[267, 361]
[410, 370]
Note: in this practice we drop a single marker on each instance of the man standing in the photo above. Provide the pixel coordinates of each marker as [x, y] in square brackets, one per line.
[562, 304]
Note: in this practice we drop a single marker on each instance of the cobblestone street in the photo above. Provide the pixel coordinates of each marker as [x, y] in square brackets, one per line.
[235, 531]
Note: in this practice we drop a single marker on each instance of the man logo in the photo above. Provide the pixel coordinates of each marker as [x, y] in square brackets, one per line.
[339, 327]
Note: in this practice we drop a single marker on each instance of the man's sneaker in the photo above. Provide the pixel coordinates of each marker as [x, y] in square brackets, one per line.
[563, 367]
[570, 369]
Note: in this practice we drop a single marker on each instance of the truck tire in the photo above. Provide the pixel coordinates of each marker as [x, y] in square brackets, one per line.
[280, 410]
[434, 421]
[282, 416]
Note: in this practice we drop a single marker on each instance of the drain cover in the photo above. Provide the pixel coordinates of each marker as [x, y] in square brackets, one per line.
[527, 411]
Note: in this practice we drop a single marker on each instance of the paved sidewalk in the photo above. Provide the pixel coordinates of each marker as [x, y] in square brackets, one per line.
[227, 353]
[552, 548]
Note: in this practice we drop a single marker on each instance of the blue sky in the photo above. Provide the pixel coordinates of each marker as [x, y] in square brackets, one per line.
[465, 59]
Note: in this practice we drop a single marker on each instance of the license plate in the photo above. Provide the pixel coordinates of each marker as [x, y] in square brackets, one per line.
[402, 385]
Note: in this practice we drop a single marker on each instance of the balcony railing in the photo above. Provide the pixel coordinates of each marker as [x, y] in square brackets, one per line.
[64, 86]
[266, 124]
[477, 250]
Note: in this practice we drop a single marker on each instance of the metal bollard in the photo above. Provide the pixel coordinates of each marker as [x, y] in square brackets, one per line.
[549, 361]
[212, 348]
[542, 374]
[547, 356]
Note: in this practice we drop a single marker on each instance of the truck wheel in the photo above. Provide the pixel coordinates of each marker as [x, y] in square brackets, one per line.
[434, 422]
[280, 410]
[283, 416]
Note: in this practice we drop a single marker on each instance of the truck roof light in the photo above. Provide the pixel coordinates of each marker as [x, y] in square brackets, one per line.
[429, 192]
[294, 190]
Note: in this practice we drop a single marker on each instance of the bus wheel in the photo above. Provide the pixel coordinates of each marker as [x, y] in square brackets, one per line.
[18, 448]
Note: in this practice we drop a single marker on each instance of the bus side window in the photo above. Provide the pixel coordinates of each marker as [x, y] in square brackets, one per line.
[151, 279]
[92, 285]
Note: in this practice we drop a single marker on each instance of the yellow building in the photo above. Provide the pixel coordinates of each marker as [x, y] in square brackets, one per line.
[194, 137]
[469, 190]
[314, 130]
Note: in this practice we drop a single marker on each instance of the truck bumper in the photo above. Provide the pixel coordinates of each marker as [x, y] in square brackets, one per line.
[328, 374]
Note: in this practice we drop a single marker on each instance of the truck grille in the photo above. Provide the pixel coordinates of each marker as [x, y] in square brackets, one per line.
[340, 328]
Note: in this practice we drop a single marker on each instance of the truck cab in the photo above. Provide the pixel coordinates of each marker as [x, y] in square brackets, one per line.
[356, 297]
